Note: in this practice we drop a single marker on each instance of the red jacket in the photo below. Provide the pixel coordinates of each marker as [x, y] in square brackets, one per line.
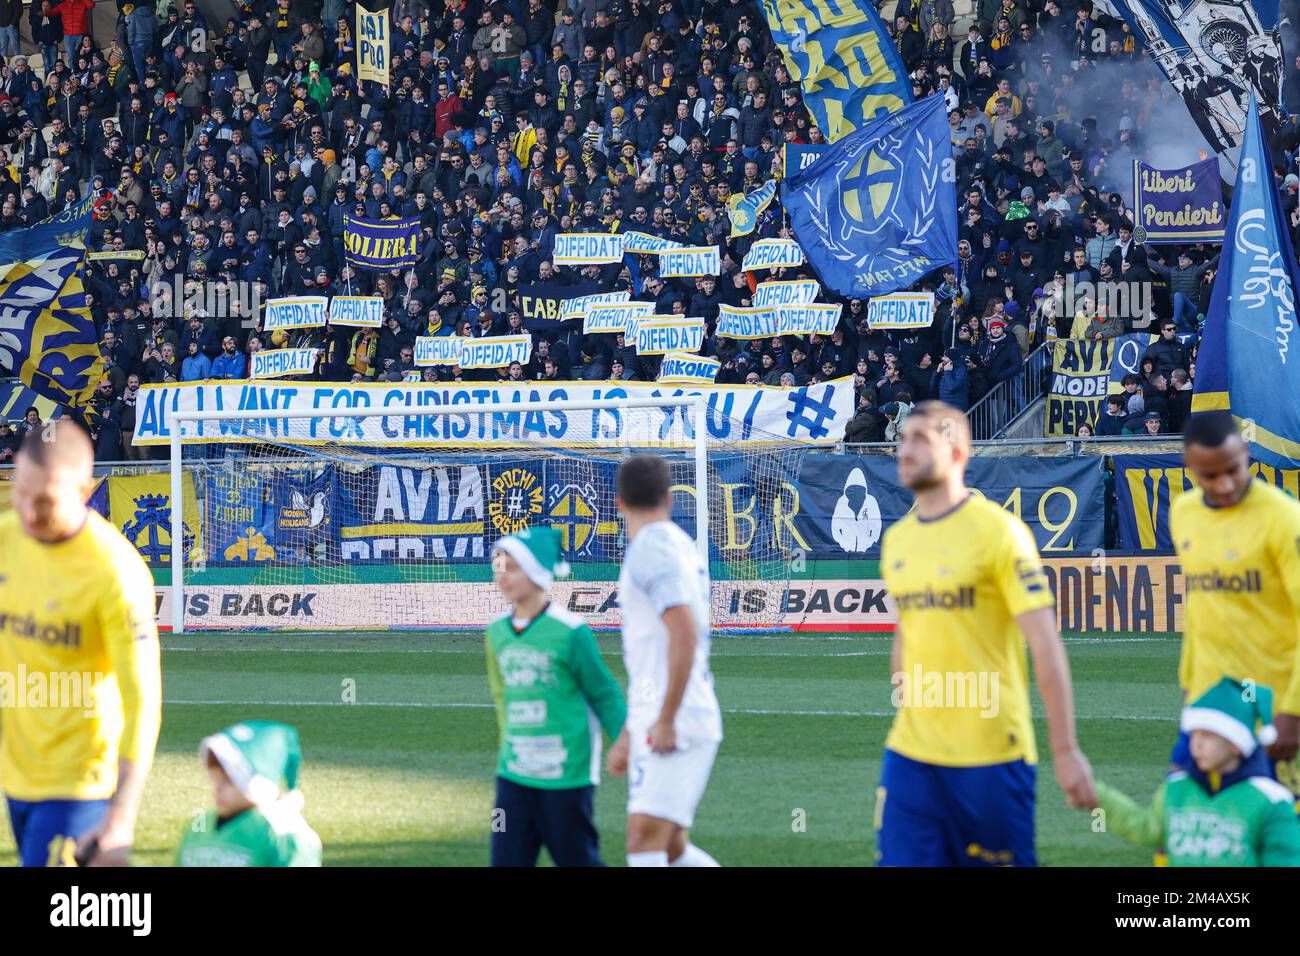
[73, 14]
[443, 111]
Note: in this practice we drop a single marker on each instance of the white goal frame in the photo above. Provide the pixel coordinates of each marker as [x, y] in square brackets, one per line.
[698, 402]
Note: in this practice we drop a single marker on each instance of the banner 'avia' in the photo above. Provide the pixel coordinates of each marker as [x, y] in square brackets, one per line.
[1217, 54]
[850, 70]
[1245, 363]
[47, 336]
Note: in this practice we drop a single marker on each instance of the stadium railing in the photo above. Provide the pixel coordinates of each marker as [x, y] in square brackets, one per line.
[999, 407]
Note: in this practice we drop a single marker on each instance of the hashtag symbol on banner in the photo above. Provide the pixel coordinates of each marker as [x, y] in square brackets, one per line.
[810, 413]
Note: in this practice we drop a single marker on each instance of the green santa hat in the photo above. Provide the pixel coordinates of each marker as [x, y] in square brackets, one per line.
[538, 552]
[261, 757]
[1233, 710]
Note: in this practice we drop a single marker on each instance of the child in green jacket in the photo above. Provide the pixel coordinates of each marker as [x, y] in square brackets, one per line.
[553, 695]
[1225, 808]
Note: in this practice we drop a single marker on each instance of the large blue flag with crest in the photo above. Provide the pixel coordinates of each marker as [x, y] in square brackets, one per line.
[1245, 363]
[838, 51]
[47, 335]
[878, 210]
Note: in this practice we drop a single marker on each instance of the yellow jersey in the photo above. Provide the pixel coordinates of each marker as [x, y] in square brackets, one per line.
[79, 661]
[959, 582]
[1241, 580]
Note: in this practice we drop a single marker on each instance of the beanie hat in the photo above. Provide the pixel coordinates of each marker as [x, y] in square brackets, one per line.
[538, 552]
[1232, 710]
[1004, 246]
[261, 757]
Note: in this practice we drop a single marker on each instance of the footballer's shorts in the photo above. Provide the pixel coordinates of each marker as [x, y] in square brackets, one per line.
[668, 786]
[927, 815]
[46, 831]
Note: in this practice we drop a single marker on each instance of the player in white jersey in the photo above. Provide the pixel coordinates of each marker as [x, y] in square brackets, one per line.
[674, 724]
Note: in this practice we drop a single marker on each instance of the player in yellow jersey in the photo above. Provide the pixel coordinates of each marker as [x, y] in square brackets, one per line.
[958, 776]
[1238, 541]
[80, 690]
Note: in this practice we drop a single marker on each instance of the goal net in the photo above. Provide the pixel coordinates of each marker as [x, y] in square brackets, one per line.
[305, 523]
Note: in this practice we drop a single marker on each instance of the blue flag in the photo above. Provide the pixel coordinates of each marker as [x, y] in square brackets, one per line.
[878, 210]
[1245, 363]
[848, 66]
[47, 335]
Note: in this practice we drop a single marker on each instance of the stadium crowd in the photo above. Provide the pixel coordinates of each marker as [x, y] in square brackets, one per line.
[226, 156]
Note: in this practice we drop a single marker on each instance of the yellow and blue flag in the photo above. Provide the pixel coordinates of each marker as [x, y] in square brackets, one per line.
[1245, 363]
[838, 51]
[746, 209]
[47, 335]
[878, 210]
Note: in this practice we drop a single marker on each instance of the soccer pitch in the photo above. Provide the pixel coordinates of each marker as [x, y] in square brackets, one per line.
[404, 775]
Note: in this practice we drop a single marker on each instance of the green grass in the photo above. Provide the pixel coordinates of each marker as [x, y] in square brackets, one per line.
[404, 776]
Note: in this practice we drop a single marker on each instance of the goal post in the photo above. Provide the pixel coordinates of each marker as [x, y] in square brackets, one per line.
[191, 424]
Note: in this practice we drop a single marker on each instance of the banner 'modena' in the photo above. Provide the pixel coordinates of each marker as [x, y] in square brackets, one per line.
[737, 415]
[661, 334]
[1178, 205]
[381, 243]
[901, 310]
[496, 351]
[364, 311]
[772, 254]
[294, 312]
[850, 70]
[48, 337]
[680, 369]
[690, 261]
[372, 45]
[272, 363]
[587, 248]
[438, 349]
[735, 322]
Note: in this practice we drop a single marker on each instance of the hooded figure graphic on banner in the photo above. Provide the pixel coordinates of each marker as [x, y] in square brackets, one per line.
[856, 523]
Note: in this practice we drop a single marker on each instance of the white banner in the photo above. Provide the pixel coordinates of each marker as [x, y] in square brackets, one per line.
[818, 317]
[272, 363]
[438, 349]
[690, 261]
[366, 311]
[496, 351]
[661, 334]
[372, 45]
[901, 310]
[294, 312]
[577, 308]
[772, 254]
[738, 414]
[792, 292]
[737, 323]
[682, 369]
[619, 317]
[587, 248]
[642, 242]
